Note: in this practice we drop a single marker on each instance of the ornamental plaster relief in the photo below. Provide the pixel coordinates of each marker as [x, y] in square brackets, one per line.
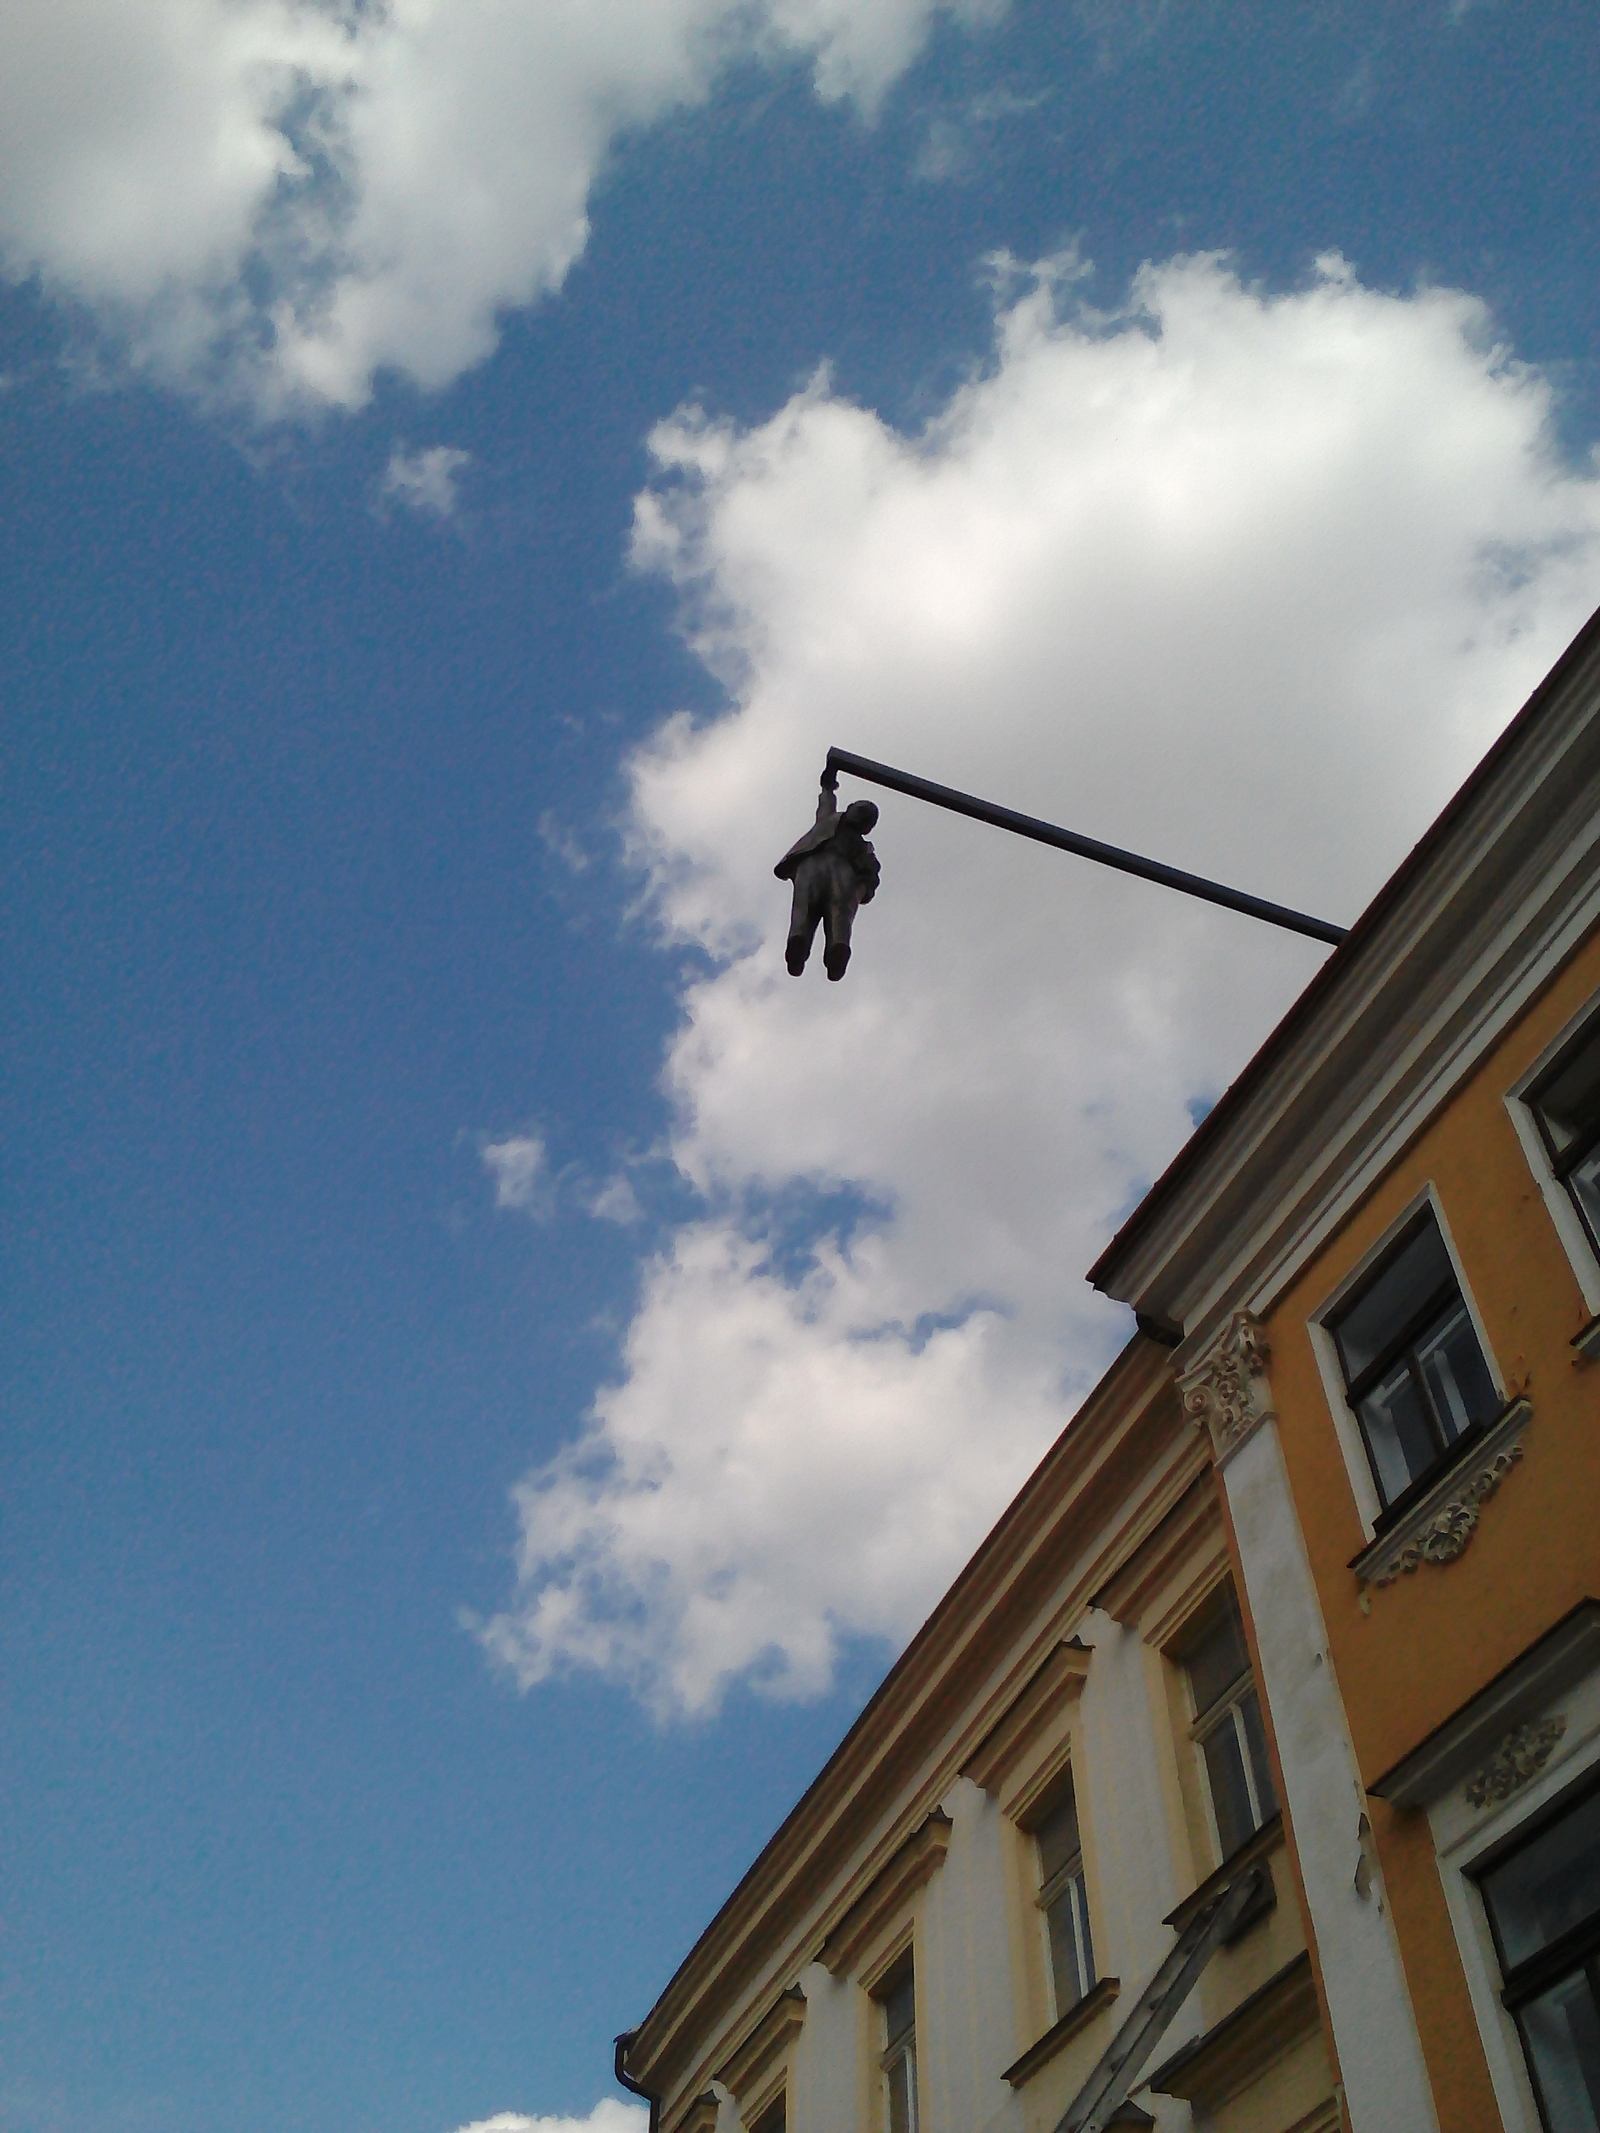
[1518, 1759]
[1228, 1388]
[1438, 1527]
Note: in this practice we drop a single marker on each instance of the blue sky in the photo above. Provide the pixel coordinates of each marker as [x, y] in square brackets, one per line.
[402, 1109]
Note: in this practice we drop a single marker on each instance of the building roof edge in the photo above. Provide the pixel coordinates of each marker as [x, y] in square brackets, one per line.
[1237, 1096]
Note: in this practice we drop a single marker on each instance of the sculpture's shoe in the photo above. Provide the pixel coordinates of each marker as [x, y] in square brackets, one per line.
[836, 961]
[794, 957]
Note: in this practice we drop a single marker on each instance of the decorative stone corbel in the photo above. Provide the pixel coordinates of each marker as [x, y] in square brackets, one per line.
[701, 2116]
[1516, 1761]
[1228, 1389]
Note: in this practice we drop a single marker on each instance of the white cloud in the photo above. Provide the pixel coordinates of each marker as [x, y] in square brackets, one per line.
[1246, 582]
[277, 198]
[425, 480]
[616, 1201]
[610, 2115]
[562, 842]
[958, 141]
[520, 1173]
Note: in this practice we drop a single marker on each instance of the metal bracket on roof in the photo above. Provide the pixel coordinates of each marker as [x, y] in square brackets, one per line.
[1115, 2074]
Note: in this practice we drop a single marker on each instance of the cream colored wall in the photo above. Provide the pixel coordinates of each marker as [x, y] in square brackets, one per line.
[1290, 2096]
[980, 1958]
[825, 2093]
[981, 1993]
[965, 1982]
[1142, 1862]
[979, 1949]
[977, 1934]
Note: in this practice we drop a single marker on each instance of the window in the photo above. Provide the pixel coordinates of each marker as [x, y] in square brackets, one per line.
[898, 1998]
[774, 2117]
[1565, 1102]
[1414, 1374]
[1228, 1730]
[1543, 1902]
[1064, 1900]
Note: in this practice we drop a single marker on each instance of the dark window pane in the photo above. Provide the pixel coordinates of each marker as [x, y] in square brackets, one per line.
[1080, 1912]
[902, 2080]
[1394, 1422]
[1063, 1954]
[1562, 2034]
[1458, 1377]
[1549, 1886]
[1583, 1182]
[899, 2005]
[1255, 1734]
[774, 2118]
[1058, 1836]
[1217, 1658]
[1071, 1950]
[1417, 1272]
[1569, 1104]
[1230, 1796]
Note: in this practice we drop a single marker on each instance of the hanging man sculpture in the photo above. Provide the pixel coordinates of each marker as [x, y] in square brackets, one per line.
[834, 870]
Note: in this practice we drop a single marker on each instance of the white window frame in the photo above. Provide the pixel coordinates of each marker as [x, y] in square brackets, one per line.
[1225, 1712]
[1462, 1836]
[1568, 1222]
[1358, 1466]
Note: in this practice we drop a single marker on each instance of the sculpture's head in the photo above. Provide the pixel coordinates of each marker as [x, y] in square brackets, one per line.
[860, 815]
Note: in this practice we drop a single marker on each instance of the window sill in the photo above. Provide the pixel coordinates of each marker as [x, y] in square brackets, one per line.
[1099, 1996]
[1266, 1839]
[1438, 1525]
[1587, 1342]
[1277, 2013]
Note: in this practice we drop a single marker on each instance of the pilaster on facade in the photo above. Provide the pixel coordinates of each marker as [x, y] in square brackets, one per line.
[1386, 2083]
[1227, 1389]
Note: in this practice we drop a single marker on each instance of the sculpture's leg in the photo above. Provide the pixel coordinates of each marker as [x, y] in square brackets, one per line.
[803, 918]
[836, 954]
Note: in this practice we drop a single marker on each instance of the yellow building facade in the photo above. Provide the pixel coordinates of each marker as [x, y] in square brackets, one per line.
[1381, 1260]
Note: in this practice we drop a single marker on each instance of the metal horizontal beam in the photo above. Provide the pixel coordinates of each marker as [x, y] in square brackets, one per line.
[1106, 855]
